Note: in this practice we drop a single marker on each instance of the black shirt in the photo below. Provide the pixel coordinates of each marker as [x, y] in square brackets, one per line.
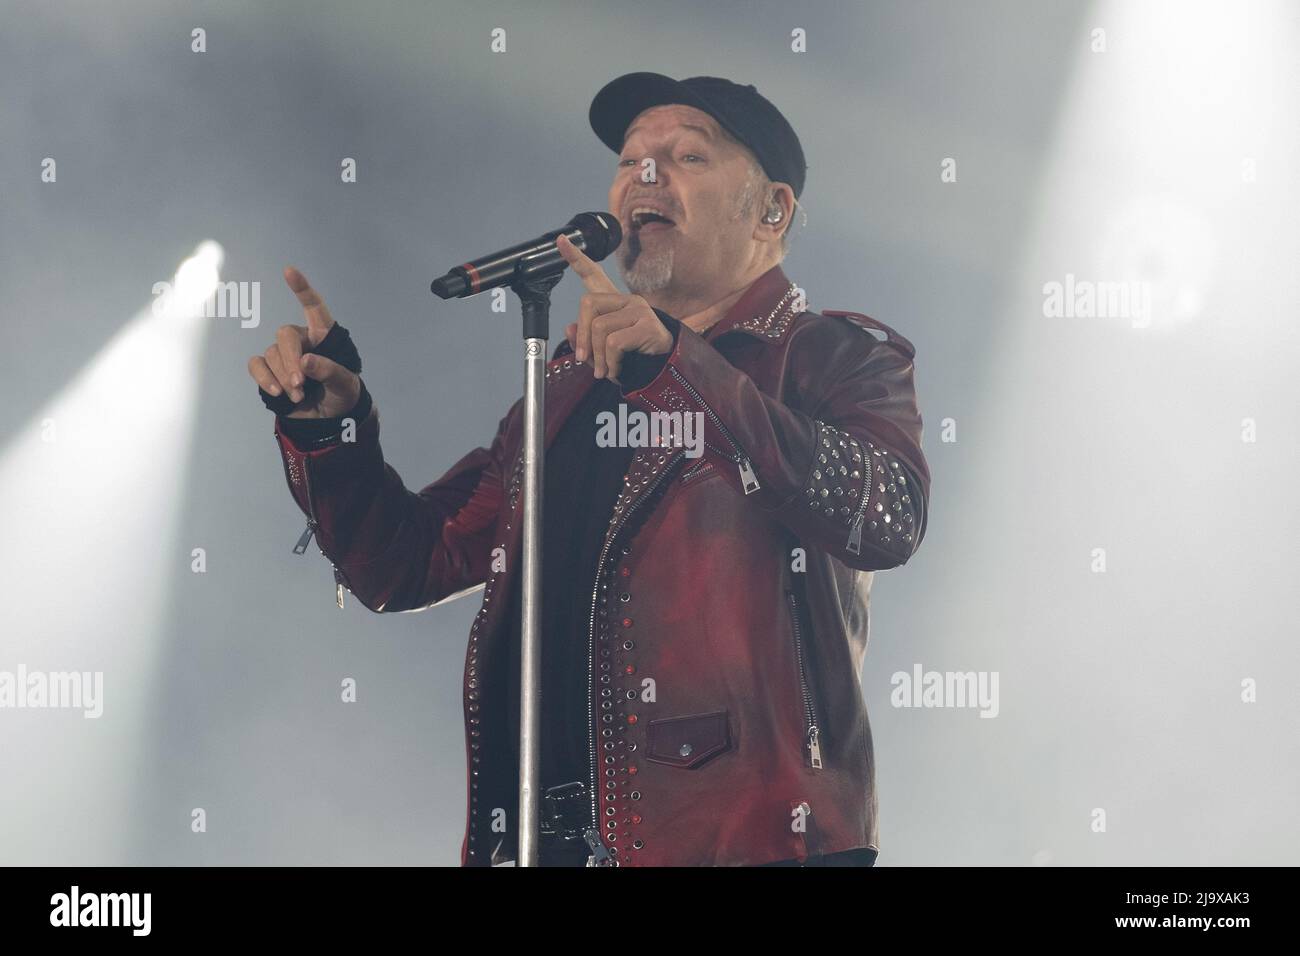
[582, 483]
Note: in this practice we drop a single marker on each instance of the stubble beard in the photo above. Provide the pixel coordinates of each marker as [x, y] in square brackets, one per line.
[644, 270]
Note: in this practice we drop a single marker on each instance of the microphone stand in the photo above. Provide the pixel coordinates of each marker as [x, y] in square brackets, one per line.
[535, 296]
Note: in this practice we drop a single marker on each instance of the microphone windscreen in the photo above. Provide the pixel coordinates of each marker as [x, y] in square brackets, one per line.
[601, 232]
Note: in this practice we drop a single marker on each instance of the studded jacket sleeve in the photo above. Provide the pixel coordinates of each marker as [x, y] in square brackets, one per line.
[395, 549]
[844, 470]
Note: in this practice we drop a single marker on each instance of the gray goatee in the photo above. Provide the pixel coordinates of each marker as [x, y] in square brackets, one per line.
[644, 271]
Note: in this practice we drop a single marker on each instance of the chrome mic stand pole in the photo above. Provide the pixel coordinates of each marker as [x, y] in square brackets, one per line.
[535, 295]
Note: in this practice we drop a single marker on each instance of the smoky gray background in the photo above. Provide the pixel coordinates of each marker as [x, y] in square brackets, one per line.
[1119, 691]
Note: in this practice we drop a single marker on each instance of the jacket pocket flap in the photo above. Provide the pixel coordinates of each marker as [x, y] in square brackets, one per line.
[689, 741]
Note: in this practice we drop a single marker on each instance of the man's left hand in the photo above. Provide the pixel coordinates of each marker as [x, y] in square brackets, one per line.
[610, 323]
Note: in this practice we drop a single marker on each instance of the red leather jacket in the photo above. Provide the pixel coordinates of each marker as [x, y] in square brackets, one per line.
[727, 636]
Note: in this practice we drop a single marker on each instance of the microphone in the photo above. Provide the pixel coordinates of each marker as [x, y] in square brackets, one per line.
[596, 233]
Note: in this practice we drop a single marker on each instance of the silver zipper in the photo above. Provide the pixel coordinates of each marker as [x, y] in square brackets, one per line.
[594, 833]
[695, 469]
[854, 544]
[813, 732]
[748, 480]
[304, 539]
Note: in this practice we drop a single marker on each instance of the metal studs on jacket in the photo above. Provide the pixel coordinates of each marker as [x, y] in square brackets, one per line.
[618, 683]
[892, 517]
[774, 324]
[837, 484]
[558, 369]
[857, 489]
[471, 670]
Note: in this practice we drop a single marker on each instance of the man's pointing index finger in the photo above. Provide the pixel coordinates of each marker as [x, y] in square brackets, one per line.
[592, 275]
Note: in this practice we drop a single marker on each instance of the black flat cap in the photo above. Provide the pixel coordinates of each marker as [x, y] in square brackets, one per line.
[741, 110]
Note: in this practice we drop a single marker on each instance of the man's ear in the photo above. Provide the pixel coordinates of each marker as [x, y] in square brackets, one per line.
[777, 209]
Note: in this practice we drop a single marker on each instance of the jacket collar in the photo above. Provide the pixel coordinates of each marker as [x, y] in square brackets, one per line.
[766, 310]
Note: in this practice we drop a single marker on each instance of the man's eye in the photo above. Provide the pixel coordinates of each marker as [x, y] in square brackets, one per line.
[627, 162]
[692, 158]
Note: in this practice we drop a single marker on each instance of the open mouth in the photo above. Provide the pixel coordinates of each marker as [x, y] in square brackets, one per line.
[645, 219]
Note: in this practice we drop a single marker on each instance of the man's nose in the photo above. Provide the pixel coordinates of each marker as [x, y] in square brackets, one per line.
[650, 171]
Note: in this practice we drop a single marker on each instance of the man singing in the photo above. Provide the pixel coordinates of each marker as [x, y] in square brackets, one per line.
[705, 616]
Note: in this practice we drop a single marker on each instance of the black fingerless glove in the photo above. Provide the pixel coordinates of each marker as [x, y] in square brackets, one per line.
[338, 346]
[309, 433]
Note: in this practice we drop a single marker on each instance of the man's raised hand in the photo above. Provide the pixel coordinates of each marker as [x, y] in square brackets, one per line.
[283, 367]
[610, 323]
